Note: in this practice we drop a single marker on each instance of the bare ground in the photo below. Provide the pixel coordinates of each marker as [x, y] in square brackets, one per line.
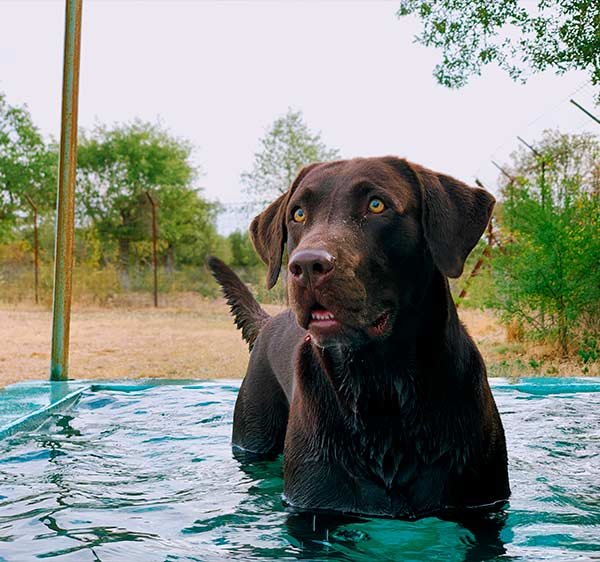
[190, 337]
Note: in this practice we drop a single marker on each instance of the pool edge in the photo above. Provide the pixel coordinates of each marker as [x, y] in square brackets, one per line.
[37, 417]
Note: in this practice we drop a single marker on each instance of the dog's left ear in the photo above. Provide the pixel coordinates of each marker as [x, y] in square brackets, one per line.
[453, 216]
[268, 230]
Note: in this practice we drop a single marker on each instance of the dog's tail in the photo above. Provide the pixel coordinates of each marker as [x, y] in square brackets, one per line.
[247, 313]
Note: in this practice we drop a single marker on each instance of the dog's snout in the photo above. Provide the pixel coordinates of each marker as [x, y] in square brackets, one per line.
[311, 267]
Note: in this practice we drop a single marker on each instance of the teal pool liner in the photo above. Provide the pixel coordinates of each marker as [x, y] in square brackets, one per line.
[35, 418]
[540, 386]
[26, 406]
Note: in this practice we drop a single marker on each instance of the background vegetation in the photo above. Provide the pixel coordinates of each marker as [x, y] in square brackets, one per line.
[522, 38]
[538, 270]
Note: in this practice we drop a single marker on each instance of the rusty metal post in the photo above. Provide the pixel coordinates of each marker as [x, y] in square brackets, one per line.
[36, 247]
[65, 206]
[154, 238]
[542, 159]
[511, 181]
[504, 172]
[480, 262]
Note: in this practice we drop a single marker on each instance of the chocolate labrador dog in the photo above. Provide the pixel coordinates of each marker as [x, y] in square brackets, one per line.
[369, 384]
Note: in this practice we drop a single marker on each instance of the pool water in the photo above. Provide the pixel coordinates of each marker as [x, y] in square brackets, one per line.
[146, 473]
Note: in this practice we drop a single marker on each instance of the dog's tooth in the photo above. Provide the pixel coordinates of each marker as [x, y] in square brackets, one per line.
[326, 315]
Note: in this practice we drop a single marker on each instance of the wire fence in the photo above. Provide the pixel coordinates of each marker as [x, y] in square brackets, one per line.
[563, 115]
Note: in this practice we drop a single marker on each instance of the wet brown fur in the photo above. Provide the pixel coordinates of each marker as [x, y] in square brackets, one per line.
[398, 425]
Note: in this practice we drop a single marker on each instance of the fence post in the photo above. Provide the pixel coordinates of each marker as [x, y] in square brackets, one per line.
[481, 261]
[36, 249]
[154, 237]
[511, 180]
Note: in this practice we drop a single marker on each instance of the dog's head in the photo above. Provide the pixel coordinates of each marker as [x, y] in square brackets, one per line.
[363, 236]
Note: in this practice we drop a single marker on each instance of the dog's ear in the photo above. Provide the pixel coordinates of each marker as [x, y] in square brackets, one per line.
[268, 230]
[453, 216]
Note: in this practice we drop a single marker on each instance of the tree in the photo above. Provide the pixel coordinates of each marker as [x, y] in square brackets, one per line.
[27, 166]
[116, 167]
[547, 275]
[552, 34]
[187, 226]
[242, 251]
[286, 147]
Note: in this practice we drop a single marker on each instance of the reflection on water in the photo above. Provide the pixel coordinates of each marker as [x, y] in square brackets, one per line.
[148, 474]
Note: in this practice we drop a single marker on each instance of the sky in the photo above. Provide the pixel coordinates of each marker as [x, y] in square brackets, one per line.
[219, 73]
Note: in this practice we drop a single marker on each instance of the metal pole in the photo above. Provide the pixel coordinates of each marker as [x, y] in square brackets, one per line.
[480, 262]
[585, 111]
[536, 152]
[503, 171]
[65, 207]
[154, 237]
[36, 247]
[509, 186]
[542, 159]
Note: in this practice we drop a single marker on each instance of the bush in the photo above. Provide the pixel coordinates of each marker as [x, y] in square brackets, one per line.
[547, 274]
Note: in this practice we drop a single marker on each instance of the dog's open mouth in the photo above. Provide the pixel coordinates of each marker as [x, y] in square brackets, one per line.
[322, 320]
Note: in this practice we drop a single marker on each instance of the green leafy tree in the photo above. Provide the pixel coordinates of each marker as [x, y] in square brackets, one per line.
[27, 166]
[519, 36]
[287, 146]
[242, 251]
[187, 226]
[547, 275]
[117, 166]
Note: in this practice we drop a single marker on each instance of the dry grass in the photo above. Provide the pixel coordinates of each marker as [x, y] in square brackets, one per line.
[507, 354]
[176, 341]
[191, 337]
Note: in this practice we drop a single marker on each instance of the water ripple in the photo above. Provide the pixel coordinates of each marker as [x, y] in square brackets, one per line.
[147, 474]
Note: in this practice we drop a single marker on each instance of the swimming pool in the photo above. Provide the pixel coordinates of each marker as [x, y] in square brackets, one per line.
[142, 472]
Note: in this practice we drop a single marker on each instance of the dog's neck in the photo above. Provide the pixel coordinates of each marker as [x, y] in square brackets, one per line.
[421, 332]
[391, 373]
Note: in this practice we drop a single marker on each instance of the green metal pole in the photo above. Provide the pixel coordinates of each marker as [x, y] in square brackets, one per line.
[65, 206]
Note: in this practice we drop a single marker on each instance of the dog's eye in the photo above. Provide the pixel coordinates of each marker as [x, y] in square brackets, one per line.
[299, 215]
[376, 206]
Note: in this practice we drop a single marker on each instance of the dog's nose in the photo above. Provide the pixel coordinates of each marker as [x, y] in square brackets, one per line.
[311, 267]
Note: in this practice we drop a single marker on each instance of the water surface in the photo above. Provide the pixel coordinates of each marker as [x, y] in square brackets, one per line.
[147, 474]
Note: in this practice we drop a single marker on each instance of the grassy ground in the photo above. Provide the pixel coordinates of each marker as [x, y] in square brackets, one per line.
[190, 337]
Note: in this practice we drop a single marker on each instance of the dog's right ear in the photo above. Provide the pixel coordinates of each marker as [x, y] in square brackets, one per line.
[268, 230]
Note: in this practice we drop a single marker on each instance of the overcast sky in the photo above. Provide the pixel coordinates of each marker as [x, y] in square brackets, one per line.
[218, 73]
